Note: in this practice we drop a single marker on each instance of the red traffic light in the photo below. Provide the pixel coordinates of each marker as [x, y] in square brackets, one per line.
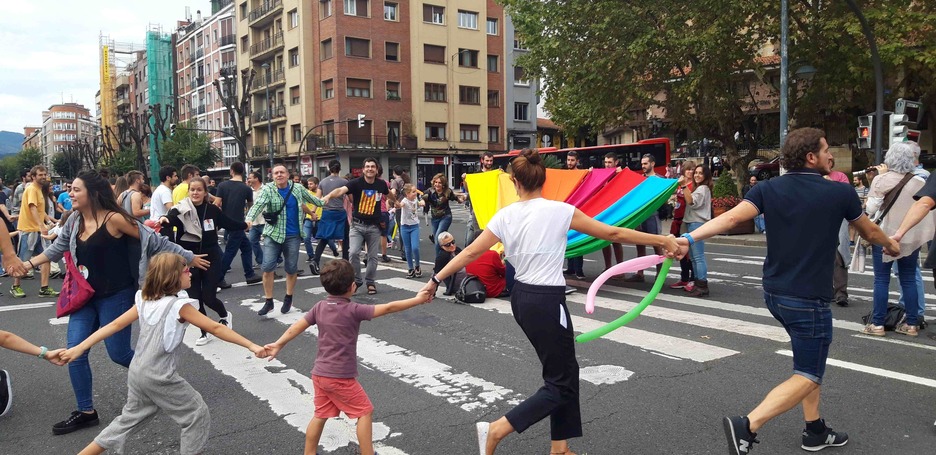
[864, 132]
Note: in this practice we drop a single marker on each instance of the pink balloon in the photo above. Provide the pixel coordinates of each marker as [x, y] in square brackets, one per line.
[630, 266]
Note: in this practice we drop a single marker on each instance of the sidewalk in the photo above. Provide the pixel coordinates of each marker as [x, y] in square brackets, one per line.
[740, 240]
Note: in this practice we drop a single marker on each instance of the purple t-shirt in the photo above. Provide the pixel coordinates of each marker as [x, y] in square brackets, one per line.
[339, 321]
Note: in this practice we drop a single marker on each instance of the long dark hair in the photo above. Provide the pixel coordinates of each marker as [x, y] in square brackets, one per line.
[706, 174]
[100, 195]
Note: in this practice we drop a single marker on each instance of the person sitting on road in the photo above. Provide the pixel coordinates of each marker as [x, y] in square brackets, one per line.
[494, 274]
[446, 242]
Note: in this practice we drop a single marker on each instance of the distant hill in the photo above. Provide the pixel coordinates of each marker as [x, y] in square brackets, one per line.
[10, 142]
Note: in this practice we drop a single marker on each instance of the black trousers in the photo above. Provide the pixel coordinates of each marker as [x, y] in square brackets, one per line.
[205, 284]
[345, 244]
[542, 314]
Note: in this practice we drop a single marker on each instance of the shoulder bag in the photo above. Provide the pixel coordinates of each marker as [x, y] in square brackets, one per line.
[76, 291]
[273, 217]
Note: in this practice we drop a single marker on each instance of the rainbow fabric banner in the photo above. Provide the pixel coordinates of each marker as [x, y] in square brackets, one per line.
[623, 199]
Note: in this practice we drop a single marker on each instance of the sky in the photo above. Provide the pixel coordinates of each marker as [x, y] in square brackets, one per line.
[49, 48]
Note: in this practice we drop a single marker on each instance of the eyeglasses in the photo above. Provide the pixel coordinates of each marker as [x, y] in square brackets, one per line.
[449, 244]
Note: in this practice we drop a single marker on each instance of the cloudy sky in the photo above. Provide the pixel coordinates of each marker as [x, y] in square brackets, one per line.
[49, 48]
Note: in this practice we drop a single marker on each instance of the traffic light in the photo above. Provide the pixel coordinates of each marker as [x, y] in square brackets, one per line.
[912, 109]
[360, 120]
[898, 129]
[865, 131]
[171, 129]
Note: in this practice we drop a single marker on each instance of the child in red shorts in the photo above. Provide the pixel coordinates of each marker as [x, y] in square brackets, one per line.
[334, 375]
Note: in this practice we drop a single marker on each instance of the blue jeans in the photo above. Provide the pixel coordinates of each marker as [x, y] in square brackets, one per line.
[290, 251]
[82, 323]
[237, 240]
[920, 292]
[254, 236]
[809, 324]
[308, 230]
[759, 223]
[410, 236]
[510, 275]
[440, 225]
[697, 251]
[907, 267]
[577, 266]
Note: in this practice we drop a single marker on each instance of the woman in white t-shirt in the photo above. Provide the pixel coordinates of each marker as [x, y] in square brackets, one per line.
[534, 232]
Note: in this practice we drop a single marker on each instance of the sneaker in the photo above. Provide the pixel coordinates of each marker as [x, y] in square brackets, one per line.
[17, 291]
[46, 291]
[314, 268]
[907, 329]
[567, 272]
[482, 429]
[579, 276]
[679, 285]
[277, 276]
[254, 279]
[335, 253]
[310, 259]
[815, 442]
[637, 278]
[77, 421]
[690, 286]
[267, 307]
[873, 330]
[228, 320]
[203, 340]
[569, 290]
[740, 438]
[223, 284]
[418, 272]
[385, 258]
[287, 304]
[411, 274]
[29, 276]
[6, 393]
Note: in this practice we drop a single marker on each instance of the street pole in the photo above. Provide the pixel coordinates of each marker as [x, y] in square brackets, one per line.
[266, 66]
[878, 82]
[784, 67]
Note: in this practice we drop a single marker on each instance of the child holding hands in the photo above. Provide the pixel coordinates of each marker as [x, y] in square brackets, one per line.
[409, 228]
[334, 375]
[152, 381]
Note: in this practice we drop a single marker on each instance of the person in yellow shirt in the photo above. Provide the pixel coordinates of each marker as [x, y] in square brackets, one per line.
[32, 224]
[311, 221]
[181, 190]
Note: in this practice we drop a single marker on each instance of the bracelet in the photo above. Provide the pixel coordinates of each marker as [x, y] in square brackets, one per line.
[42, 352]
[29, 261]
[435, 279]
[688, 237]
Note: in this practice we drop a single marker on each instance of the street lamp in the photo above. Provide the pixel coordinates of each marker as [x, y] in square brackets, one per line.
[266, 67]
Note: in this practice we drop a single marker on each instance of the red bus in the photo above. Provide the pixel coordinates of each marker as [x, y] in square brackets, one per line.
[629, 154]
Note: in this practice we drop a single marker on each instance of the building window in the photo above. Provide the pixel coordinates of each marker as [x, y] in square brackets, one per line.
[392, 51]
[469, 133]
[293, 19]
[325, 8]
[359, 88]
[294, 57]
[518, 43]
[468, 58]
[519, 77]
[296, 133]
[356, 47]
[435, 131]
[435, 92]
[468, 19]
[327, 49]
[393, 134]
[493, 98]
[469, 95]
[493, 66]
[243, 11]
[355, 8]
[245, 41]
[433, 54]
[328, 89]
[434, 14]
[522, 112]
[393, 90]
[493, 134]
[390, 11]
[491, 26]
[294, 95]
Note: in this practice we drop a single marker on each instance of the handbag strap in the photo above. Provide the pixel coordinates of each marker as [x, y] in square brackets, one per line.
[891, 197]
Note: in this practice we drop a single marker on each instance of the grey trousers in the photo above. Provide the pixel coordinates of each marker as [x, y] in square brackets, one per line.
[840, 279]
[360, 234]
[145, 397]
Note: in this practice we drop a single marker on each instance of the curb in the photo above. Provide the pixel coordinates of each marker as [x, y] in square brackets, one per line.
[738, 240]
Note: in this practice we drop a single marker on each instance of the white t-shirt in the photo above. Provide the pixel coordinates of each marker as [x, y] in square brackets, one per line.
[534, 234]
[161, 196]
[173, 330]
[408, 216]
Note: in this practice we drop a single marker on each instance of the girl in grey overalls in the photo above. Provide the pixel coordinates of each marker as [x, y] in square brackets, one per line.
[153, 382]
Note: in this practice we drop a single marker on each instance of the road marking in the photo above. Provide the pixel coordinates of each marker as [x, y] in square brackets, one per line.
[653, 342]
[893, 341]
[604, 374]
[288, 393]
[874, 371]
[59, 321]
[27, 306]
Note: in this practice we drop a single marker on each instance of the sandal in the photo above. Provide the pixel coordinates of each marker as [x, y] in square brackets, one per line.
[371, 289]
[907, 329]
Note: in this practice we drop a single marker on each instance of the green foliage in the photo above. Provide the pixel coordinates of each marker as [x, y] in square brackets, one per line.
[122, 162]
[725, 186]
[29, 158]
[10, 170]
[551, 162]
[188, 147]
[66, 165]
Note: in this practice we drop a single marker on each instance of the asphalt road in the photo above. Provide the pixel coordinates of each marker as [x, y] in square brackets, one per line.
[659, 385]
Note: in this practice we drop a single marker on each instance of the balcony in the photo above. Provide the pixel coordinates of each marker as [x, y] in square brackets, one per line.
[123, 101]
[263, 151]
[199, 53]
[228, 69]
[273, 78]
[260, 49]
[264, 13]
[201, 109]
[352, 141]
[228, 40]
[123, 81]
[279, 112]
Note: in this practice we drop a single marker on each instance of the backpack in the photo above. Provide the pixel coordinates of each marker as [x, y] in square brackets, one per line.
[471, 290]
[895, 316]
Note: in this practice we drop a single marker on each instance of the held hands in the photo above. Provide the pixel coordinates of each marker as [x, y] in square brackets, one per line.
[68, 355]
[272, 350]
[424, 296]
[683, 246]
[893, 248]
[260, 351]
[429, 289]
[54, 357]
[14, 265]
[200, 262]
[672, 247]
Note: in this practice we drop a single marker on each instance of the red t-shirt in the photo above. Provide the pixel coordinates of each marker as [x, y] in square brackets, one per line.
[338, 320]
[491, 271]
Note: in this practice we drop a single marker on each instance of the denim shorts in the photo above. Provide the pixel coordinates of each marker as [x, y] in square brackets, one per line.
[30, 245]
[809, 324]
[290, 251]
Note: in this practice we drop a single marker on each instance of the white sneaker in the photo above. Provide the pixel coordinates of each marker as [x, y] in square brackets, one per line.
[203, 340]
[482, 429]
[228, 320]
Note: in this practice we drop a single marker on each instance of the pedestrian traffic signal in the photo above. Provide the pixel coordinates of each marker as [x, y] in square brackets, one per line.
[898, 129]
[360, 120]
[913, 110]
[171, 129]
[913, 136]
[865, 131]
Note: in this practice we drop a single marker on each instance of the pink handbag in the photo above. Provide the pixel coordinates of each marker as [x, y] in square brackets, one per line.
[76, 291]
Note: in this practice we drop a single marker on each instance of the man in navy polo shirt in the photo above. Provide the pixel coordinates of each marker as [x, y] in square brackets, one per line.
[803, 209]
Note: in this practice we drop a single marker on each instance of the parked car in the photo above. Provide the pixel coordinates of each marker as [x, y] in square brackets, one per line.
[765, 169]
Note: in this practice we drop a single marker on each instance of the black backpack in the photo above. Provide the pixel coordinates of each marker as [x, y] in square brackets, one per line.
[895, 316]
[471, 290]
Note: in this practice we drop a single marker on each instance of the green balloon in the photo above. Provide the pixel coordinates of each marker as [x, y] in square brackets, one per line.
[634, 312]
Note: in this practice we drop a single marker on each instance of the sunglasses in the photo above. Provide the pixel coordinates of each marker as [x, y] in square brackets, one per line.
[449, 244]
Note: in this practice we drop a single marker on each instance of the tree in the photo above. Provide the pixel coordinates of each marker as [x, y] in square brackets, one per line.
[189, 147]
[238, 109]
[29, 157]
[66, 164]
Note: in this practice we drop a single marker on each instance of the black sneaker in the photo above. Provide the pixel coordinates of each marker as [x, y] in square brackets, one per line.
[740, 439]
[313, 268]
[418, 272]
[815, 442]
[411, 274]
[287, 304]
[77, 421]
[267, 307]
[6, 393]
[310, 259]
[224, 284]
[254, 279]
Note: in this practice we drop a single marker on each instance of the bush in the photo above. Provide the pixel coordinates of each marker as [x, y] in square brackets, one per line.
[725, 186]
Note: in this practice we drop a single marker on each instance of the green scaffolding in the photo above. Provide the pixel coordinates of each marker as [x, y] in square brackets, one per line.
[161, 73]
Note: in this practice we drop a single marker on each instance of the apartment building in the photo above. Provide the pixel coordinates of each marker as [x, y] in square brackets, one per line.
[62, 125]
[521, 93]
[32, 137]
